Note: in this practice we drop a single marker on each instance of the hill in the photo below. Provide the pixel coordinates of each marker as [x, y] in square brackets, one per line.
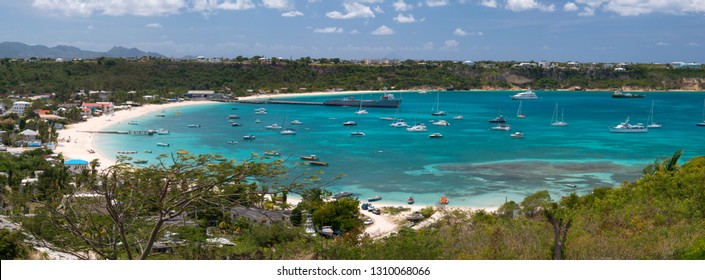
[20, 50]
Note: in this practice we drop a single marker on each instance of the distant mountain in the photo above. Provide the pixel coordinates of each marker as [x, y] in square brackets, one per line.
[20, 50]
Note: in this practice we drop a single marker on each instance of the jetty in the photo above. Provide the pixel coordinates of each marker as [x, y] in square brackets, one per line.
[287, 102]
[149, 132]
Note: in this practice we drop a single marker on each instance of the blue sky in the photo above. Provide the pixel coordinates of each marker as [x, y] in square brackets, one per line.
[521, 30]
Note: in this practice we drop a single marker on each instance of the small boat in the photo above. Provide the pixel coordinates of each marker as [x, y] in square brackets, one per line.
[194, 125]
[361, 112]
[233, 117]
[272, 153]
[517, 135]
[619, 94]
[423, 92]
[441, 123]
[387, 118]
[257, 121]
[273, 126]
[436, 110]
[91, 151]
[140, 161]
[309, 157]
[163, 144]
[498, 119]
[626, 127]
[399, 123]
[417, 128]
[133, 123]
[160, 115]
[357, 133]
[127, 152]
[297, 122]
[248, 137]
[519, 113]
[318, 163]
[410, 200]
[374, 198]
[444, 200]
[235, 124]
[162, 131]
[342, 194]
[501, 126]
[554, 119]
[435, 135]
[147, 151]
[260, 112]
[458, 117]
[287, 131]
[529, 94]
[232, 142]
[350, 123]
[651, 123]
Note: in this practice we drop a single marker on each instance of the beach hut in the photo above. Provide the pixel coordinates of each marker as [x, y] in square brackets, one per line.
[76, 165]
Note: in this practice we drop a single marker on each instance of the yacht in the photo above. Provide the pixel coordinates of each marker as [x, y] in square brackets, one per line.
[297, 122]
[625, 127]
[248, 137]
[554, 118]
[417, 128]
[498, 119]
[501, 126]
[288, 131]
[162, 131]
[441, 123]
[357, 133]
[529, 94]
[350, 123]
[361, 112]
[458, 117]
[399, 124]
[651, 123]
[517, 135]
[435, 135]
[194, 125]
[274, 126]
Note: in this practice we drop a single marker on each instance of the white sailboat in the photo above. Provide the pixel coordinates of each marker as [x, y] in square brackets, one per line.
[436, 110]
[554, 119]
[651, 123]
[361, 111]
[519, 113]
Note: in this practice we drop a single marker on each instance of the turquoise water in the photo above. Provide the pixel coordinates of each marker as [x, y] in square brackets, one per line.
[472, 165]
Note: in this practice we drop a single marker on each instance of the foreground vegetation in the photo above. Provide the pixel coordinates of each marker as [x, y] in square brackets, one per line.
[184, 202]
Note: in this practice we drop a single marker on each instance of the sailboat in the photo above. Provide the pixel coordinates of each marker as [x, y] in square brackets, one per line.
[519, 113]
[361, 111]
[650, 123]
[554, 119]
[436, 110]
[703, 122]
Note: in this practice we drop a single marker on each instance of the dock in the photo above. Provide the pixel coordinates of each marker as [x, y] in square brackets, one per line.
[286, 102]
[130, 132]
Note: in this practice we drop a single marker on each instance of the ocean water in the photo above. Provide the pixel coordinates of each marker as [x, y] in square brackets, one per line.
[471, 164]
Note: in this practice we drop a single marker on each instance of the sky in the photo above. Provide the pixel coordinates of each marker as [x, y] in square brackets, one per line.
[646, 31]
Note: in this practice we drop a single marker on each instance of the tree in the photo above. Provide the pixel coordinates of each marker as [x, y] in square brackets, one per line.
[667, 165]
[128, 208]
[559, 215]
[533, 203]
[12, 246]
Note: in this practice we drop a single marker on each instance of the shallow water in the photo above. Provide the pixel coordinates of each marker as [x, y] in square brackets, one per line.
[472, 165]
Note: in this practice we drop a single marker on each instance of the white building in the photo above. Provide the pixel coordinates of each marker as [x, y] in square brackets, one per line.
[19, 106]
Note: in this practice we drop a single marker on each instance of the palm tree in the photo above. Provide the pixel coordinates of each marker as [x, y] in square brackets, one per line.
[668, 165]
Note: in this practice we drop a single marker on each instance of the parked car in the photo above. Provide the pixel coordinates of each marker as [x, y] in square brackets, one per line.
[369, 222]
[376, 211]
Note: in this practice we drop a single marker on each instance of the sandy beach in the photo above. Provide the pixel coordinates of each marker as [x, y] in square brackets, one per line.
[75, 141]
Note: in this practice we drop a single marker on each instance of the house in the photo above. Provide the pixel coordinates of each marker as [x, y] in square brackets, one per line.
[29, 135]
[199, 94]
[18, 107]
[106, 107]
[76, 165]
[261, 216]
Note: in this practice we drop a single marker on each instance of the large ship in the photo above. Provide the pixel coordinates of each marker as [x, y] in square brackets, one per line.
[386, 101]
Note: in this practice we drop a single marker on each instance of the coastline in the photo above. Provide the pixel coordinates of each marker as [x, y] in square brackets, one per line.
[75, 140]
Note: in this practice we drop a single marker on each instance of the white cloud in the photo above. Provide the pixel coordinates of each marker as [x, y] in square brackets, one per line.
[401, 18]
[112, 8]
[525, 5]
[451, 44]
[436, 3]
[238, 5]
[383, 30]
[292, 14]
[662, 44]
[570, 7]
[489, 3]
[328, 30]
[352, 10]
[639, 7]
[354, 31]
[587, 12]
[153, 25]
[379, 10]
[693, 44]
[278, 4]
[401, 6]
[460, 32]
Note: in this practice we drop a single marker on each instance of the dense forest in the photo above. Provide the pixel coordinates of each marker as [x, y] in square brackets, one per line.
[169, 78]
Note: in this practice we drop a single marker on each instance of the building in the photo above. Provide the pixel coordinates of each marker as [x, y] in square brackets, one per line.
[105, 107]
[29, 135]
[76, 165]
[18, 107]
[260, 216]
[199, 94]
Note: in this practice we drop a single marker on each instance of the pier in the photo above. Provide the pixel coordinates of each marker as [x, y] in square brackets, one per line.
[130, 132]
[270, 101]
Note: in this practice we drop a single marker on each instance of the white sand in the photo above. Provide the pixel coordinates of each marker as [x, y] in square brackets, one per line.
[75, 141]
